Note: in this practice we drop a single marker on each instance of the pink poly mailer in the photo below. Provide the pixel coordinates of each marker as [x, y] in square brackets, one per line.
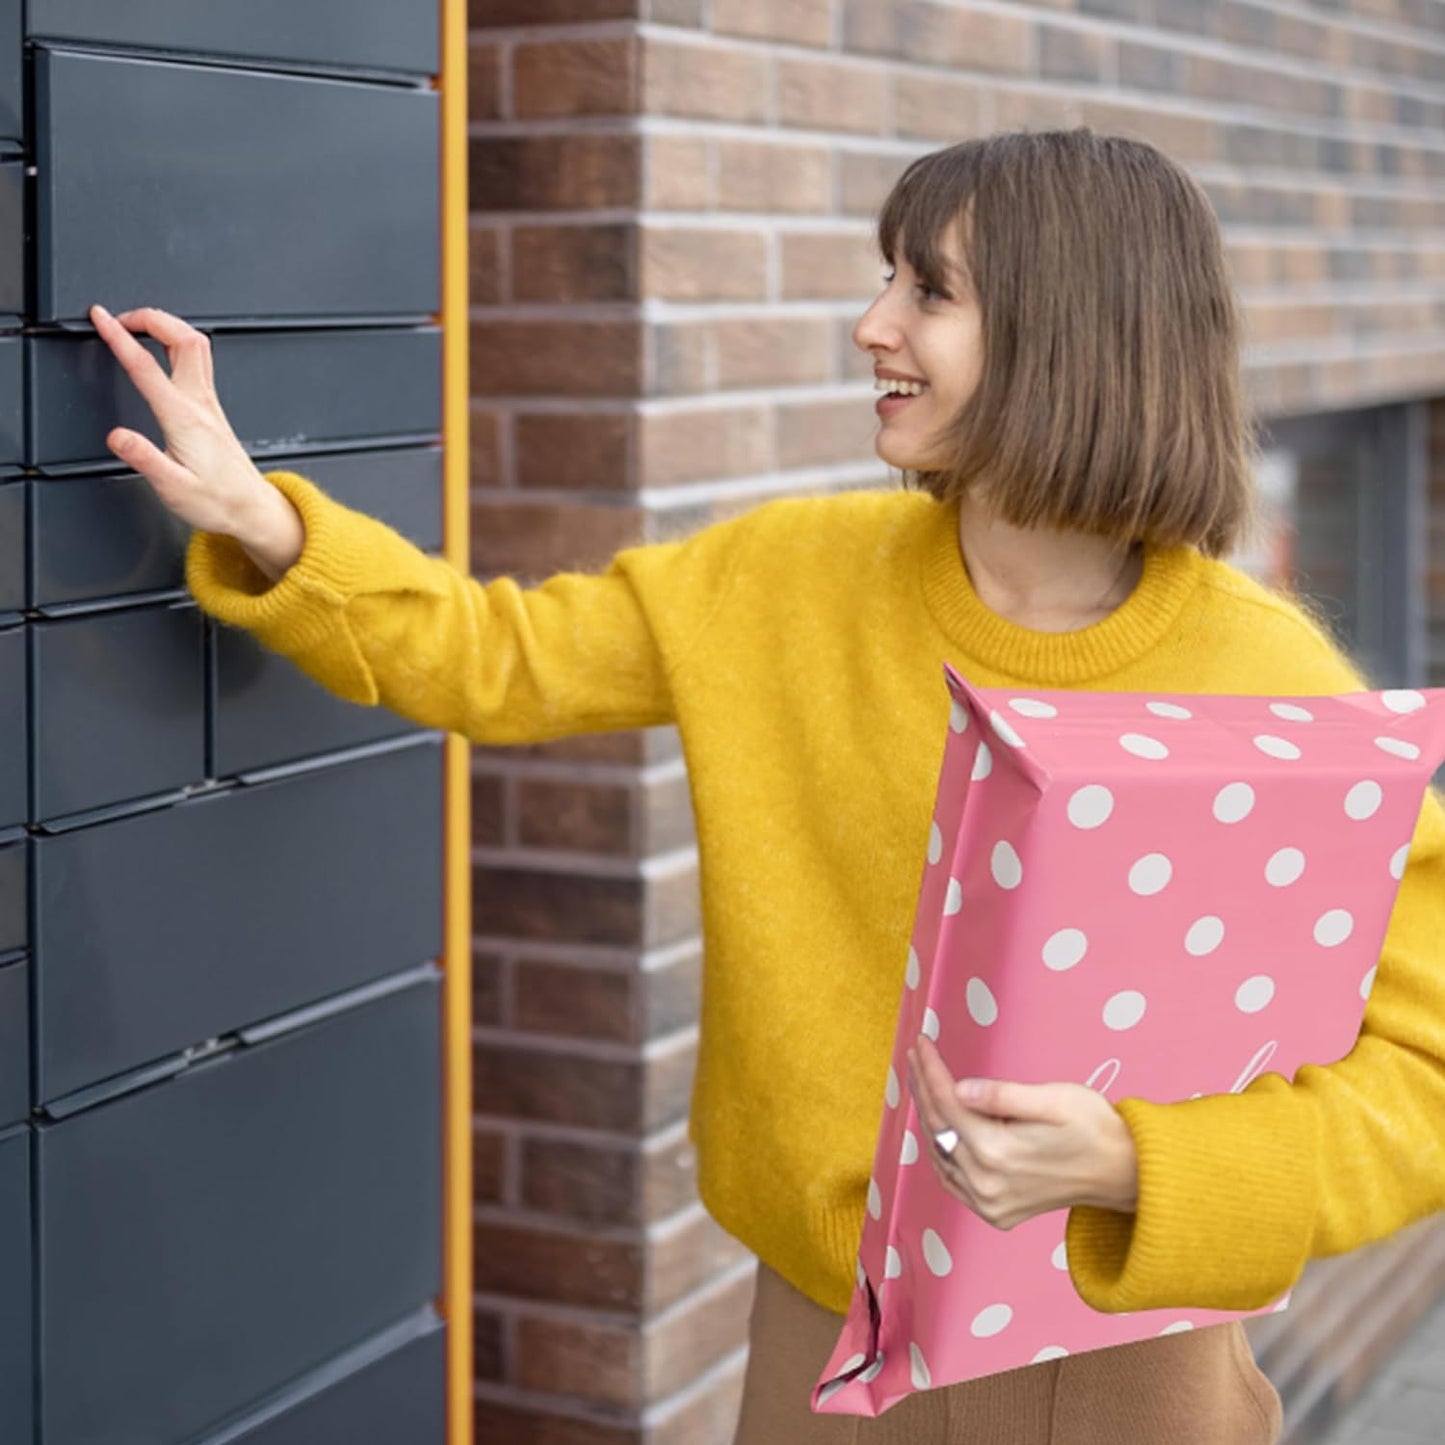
[1159, 896]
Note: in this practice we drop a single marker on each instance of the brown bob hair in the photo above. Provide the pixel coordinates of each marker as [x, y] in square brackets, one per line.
[1110, 399]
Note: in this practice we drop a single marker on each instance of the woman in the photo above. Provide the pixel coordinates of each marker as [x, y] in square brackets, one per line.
[1077, 464]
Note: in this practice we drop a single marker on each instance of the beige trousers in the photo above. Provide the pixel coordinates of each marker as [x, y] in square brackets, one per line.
[1198, 1387]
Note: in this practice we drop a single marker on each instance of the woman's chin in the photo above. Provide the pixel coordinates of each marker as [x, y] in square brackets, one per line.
[901, 458]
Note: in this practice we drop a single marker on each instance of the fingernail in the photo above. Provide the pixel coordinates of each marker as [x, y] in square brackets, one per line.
[101, 309]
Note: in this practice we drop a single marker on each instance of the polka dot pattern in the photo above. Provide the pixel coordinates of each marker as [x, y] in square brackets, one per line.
[1152, 896]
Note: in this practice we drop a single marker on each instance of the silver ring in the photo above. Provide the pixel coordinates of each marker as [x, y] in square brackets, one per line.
[946, 1141]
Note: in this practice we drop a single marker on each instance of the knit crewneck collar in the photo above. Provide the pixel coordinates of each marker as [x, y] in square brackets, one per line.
[1061, 659]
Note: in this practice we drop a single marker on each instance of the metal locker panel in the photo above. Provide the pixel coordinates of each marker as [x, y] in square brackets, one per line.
[398, 1396]
[12, 547]
[12, 403]
[118, 707]
[283, 391]
[16, 1344]
[99, 537]
[13, 725]
[14, 1045]
[262, 1212]
[12, 75]
[226, 193]
[14, 893]
[368, 34]
[159, 931]
[12, 243]
[268, 712]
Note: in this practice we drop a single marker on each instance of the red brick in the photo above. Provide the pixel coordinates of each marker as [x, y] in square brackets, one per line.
[575, 77]
[767, 176]
[576, 1002]
[530, 541]
[482, 13]
[865, 179]
[550, 1086]
[683, 264]
[488, 1357]
[696, 1335]
[553, 172]
[509, 1422]
[485, 456]
[671, 994]
[487, 809]
[574, 263]
[687, 1255]
[939, 34]
[822, 433]
[677, 361]
[678, 172]
[832, 95]
[692, 446]
[593, 1183]
[557, 906]
[669, 1176]
[706, 1415]
[1073, 55]
[487, 986]
[802, 22]
[1034, 110]
[1185, 137]
[543, 358]
[484, 265]
[484, 81]
[489, 1165]
[666, 820]
[706, 81]
[829, 265]
[773, 351]
[945, 108]
[583, 1359]
[559, 1266]
[573, 450]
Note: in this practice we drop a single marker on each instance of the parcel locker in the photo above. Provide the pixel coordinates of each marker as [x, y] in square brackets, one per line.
[13, 734]
[12, 551]
[14, 887]
[12, 403]
[284, 392]
[16, 1347]
[159, 931]
[400, 486]
[14, 1044]
[12, 243]
[367, 34]
[12, 76]
[393, 1396]
[205, 1240]
[118, 707]
[228, 193]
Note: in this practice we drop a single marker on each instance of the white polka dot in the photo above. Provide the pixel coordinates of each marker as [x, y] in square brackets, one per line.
[862, 1276]
[1291, 712]
[991, 1321]
[831, 1389]
[1091, 806]
[1177, 1328]
[1334, 927]
[958, 717]
[1124, 1010]
[1005, 730]
[911, 974]
[873, 1370]
[875, 1200]
[936, 1255]
[930, 1024]
[890, 1089]
[1403, 699]
[1368, 982]
[1007, 866]
[1204, 936]
[1060, 1257]
[1274, 747]
[1143, 747]
[982, 1005]
[1254, 993]
[1049, 1352]
[954, 899]
[1170, 710]
[892, 1264]
[982, 763]
[909, 1153]
[852, 1363]
[1234, 802]
[1363, 800]
[1398, 748]
[1151, 874]
[1285, 867]
[918, 1368]
[1400, 858]
[1032, 707]
[1281, 1306]
[1065, 948]
[935, 843]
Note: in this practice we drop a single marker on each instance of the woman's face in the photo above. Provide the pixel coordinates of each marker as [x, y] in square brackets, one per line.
[934, 337]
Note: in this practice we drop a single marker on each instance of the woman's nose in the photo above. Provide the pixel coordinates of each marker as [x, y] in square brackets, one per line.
[875, 329]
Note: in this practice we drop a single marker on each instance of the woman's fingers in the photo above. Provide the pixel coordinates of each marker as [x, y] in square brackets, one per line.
[170, 479]
[160, 392]
[189, 350]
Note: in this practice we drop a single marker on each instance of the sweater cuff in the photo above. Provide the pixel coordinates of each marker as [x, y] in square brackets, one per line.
[1226, 1211]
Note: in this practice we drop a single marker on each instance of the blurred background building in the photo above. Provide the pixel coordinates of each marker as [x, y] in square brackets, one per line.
[671, 206]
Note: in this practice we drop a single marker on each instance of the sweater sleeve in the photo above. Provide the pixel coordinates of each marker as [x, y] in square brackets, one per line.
[1238, 1192]
[373, 619]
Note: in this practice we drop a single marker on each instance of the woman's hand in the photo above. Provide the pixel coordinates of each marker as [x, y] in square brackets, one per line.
[1023, 1149]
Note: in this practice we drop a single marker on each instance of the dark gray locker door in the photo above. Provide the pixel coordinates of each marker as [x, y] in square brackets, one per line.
[16, 1348]
[14, 1045]
[12, 546]
[283, 391]
[13, 714]
[101, 537]
[268, 712]
[217, 192]
[368, 34]
[14, 882]
[12, 402]
[12, 243]
[401, 487]
[12, 75]
[205, 1241]
[162, 930]
[396, 1399]
[119, 707]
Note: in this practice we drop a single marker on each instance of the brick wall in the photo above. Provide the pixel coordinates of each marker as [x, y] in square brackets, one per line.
[671, 204]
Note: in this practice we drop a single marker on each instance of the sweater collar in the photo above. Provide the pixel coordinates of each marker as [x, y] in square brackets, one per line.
[1051, 658]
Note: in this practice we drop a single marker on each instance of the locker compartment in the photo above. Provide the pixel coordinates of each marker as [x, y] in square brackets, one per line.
[14, 1045]
[263, 1212]
[398, 1395]
[284, 392]
[12, 242]
[161, 930]
[12, 403]
[12, 76]
[13, 714]
[267, 711]
[16, 1347]
[401, 487]
[12, 548]
[118, 707]
[367, 34]
[216, 192]
[14, 912]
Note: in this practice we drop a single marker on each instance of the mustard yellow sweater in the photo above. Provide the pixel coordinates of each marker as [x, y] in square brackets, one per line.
[799, 649]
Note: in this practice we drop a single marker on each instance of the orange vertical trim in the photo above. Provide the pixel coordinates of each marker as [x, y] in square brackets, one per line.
[457, 934]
